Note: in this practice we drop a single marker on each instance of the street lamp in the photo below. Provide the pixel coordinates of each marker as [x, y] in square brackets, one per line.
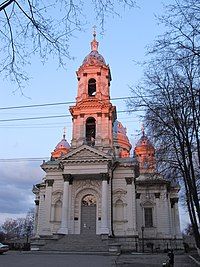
[142, 228]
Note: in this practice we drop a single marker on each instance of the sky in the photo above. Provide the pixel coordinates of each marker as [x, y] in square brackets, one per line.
[24, 144]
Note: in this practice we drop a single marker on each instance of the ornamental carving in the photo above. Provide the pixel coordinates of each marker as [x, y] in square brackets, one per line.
[119, 193]
[86, 184]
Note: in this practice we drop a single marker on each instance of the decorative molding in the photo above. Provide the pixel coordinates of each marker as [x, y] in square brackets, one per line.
[138, 195]
[173, 201]
[49, 182]
[67, 177]
[157, 195]
[129, 180]
[119, 193]
[105, 177]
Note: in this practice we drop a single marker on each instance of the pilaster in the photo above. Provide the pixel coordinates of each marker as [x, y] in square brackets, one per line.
[48, 195]
[64, 229]
[104, 205]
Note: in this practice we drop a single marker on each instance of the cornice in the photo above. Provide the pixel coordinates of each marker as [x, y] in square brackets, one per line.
[49, 167]
[75, 161]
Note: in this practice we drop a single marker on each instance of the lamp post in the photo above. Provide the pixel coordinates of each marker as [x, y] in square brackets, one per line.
[142, 228]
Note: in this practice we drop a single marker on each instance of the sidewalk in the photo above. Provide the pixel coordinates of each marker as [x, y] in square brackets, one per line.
[196, 258]
[156, 260]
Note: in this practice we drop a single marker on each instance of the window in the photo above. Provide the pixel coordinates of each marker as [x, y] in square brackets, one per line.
[148, 217]
[90, 131]
[89, 200]
[119, 210]
[91, 87]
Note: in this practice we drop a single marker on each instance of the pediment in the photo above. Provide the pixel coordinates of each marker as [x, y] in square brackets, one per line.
[86, 153]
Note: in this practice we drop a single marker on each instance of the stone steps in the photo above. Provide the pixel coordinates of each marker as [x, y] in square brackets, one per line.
[76, 243]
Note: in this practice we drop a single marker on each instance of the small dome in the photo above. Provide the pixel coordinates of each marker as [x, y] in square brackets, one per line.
[63, 144]
[62, 148]
[94, 55]
[121, 139]
[144, 142]
[119, 128]
[145, 151]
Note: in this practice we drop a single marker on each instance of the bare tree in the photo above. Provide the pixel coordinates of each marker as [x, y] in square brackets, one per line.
[20, 227]
[170, 95]
[29, 27]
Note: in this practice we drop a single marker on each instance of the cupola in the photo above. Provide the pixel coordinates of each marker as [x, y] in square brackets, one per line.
[145, 151]
[62, 147]
[121, 140]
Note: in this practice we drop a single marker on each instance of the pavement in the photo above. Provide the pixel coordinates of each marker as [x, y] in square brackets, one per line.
[64, 259]
[195, 257]
[155, 260]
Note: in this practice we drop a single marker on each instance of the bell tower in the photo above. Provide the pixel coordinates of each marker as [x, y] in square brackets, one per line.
[93, 115]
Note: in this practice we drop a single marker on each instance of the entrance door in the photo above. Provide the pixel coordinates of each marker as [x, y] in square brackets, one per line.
[88, 215]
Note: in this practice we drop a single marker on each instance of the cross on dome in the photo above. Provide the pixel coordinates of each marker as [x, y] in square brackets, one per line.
[142, 127]
[94, 43]
[94, 28]
[64, 132]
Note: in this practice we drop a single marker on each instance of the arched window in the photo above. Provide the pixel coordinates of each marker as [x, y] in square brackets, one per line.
[92, 87]
[148, 217]
[90, 131]
[148, 213]
[89, 200]
[119, 210]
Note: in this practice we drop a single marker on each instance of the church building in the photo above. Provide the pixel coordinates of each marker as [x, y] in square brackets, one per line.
[94, 188]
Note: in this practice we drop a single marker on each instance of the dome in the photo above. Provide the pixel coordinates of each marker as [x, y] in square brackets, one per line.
[120, 138]
[145, 151]
[62, 148]
[144, 143]
[94, 55]
[63, 144]
[119, 128]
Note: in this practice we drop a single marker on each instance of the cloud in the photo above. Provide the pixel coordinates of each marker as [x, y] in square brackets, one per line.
[16, 181]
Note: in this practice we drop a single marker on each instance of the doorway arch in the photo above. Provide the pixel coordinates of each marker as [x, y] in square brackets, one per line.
[88, 214]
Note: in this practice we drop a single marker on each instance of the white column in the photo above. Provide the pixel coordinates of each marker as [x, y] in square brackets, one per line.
[65, 205]
[104, 205]
[130, 224]
[35, 230]
[176, 219]
[48, 195]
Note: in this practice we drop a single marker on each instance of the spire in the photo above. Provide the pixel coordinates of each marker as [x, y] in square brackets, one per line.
[142, 129]
[94, 43]
[94, 34]
[64, 132]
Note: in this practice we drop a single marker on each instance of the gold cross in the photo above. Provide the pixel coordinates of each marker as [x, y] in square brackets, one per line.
[94, 28]
[64, 131]
[142, 129]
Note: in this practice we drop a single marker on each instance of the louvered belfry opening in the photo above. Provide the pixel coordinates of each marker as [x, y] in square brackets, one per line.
[90, 131]
[92, 87]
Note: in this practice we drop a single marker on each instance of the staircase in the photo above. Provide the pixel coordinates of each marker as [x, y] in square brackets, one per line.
[72, 243]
